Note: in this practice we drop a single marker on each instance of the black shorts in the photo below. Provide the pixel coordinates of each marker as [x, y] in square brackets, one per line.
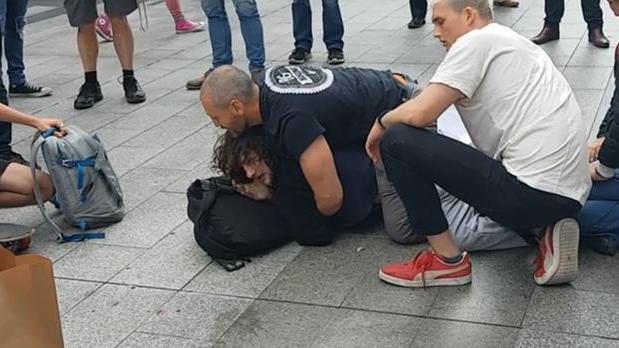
[82, 12]
[3, 165]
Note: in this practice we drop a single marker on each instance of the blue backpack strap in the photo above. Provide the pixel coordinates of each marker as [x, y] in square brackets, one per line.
[79, 237]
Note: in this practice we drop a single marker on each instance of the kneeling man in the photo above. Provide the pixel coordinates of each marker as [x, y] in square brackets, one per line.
[528, 170]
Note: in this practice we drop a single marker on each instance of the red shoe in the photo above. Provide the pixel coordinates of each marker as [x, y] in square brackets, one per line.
[557, 261]
[428, 269]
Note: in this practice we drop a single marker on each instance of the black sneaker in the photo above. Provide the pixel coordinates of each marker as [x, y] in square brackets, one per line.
[416, 23]
[89, 94]
[257, 75]
[13, 157]
[299, 56]
[335, 57]
[133, 92]
[195, 84]
[29, 91]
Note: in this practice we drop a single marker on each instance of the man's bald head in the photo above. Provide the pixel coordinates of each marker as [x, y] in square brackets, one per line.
[227, 83]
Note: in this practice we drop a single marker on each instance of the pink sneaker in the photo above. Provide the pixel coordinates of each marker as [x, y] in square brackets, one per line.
[187, 26]
[103, 26]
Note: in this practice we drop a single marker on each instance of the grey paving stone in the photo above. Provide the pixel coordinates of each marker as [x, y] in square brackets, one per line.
[499, 292]
[325, 275]
[113, 137]
[44, 242]
[589, 101]
[587, 77]
[248, 281]
[348, 328]
[161, 137]
[71, 292]
[276, 324]
[186, 154]
[197, 316]
[110, 314]
[595, 272]
[95, 261]
[171, 263]
[149, 222]
[544, 339]
[127, 158]
[371, 293]
[142, 183]
[595, 58]
[439, 333]
[567, 310]
[146, 116]
[143, 340]
[427, 54]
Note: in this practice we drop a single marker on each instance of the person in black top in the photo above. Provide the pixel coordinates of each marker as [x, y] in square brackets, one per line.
[599, 218]
[318, 120]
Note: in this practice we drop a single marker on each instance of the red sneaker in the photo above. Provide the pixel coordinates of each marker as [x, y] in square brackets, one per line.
[557, 261]
[428, 269]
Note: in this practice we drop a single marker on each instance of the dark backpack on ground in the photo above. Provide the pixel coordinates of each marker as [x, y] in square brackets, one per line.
[231, 227]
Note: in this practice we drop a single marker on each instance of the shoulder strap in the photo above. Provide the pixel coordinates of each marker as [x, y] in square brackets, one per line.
[38, 141]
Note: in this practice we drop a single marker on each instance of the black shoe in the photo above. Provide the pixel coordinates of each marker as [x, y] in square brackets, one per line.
[13, 157]
[597, 38]
[335, 57]
[416, 23]
[133, 92]
[195, 84]
[89, 94]
[299, 56]
[546, 35]
[29, 91]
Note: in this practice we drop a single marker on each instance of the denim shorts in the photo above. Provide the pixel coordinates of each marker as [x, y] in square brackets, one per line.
[82, 12]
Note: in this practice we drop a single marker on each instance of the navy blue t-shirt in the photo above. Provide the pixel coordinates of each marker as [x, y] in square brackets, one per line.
[299, 103]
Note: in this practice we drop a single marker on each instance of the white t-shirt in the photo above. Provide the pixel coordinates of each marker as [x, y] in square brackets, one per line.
[519, 109]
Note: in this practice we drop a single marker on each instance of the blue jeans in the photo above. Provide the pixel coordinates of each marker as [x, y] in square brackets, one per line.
[221, 38]
[332, 24]
[12, 21]
[599, 218]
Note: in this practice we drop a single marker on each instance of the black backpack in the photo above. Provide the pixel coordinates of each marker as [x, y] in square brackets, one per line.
[231, 227]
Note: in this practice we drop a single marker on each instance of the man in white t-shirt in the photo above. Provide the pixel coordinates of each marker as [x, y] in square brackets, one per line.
[528, 170]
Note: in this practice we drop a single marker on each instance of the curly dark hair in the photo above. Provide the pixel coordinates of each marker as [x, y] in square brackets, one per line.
[231, 152]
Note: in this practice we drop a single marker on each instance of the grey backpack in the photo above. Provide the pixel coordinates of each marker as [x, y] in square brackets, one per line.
[87, 190]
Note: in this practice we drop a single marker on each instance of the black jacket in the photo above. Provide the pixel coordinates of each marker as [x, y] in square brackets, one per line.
[609, 153]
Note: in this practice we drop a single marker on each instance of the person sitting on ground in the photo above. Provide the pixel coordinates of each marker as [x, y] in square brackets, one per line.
[253, 165]
[318, 120]
[16, 184]
[599, 218]
[528, 170]
[82, 14]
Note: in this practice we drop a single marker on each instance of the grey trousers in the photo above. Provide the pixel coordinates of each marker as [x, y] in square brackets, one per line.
[470, 230]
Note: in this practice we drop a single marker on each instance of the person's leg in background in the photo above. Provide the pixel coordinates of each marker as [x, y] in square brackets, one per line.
[221, 38]
[251, 29]
[592, 14]
[14, 51]
[333, 31]
[418, 8]
[118, 10]
[554, 10]
[599, 218]
[302, 31]
[17, 187]
[182, 24]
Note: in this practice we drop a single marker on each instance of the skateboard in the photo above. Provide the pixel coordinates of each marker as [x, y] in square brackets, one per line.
[15, 237]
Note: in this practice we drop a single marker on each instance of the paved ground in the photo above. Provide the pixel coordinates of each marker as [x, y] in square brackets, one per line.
[149, 285]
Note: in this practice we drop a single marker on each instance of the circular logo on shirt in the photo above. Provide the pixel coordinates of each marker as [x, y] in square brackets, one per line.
[290, 79]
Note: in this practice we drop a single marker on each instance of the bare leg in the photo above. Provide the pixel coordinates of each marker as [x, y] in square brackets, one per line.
[88, 46]
[174, 6]
[17, 187]
[123, 41]
[443, 244]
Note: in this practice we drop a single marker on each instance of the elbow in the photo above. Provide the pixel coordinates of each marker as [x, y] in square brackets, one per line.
[330, 205]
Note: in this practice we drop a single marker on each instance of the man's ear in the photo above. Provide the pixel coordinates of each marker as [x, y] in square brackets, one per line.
[236, 107]
[470, 14]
